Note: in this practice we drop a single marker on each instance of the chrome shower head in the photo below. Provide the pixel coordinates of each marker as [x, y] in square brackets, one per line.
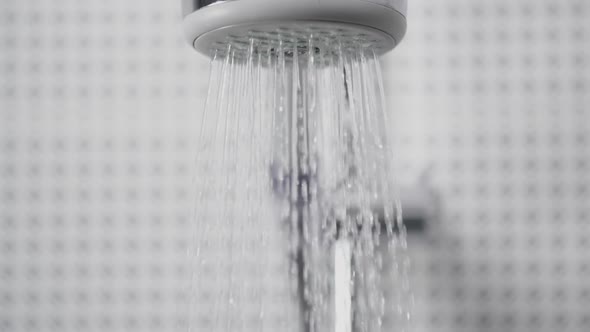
[210, 24]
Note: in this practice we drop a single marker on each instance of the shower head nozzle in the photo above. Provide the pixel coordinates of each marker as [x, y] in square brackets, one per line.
[211, 24]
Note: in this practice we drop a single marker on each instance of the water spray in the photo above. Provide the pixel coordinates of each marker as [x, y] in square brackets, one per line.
[296, 112]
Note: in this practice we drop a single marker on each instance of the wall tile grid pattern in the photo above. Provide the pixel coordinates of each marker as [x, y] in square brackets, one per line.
[99, 105]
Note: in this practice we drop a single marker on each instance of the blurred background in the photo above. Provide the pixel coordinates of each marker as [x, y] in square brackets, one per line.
[99, 105]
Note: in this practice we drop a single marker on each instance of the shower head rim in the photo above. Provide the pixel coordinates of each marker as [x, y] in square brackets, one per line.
[202, 23]
[323, 32]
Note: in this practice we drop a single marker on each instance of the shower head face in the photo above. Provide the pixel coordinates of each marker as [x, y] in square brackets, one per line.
[286, 37]
[378, 24]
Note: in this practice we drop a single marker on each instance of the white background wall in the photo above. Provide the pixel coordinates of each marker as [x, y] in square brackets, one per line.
[99, 105]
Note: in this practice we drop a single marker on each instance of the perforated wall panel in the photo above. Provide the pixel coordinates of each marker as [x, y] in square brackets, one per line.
[99, 105]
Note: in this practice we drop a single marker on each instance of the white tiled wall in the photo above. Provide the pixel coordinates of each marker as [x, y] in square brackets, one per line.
[494, 96]
[99, 105]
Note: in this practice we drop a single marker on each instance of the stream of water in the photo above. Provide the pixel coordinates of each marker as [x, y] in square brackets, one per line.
[298, 225]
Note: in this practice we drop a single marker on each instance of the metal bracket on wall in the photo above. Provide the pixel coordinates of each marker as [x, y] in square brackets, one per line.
[421, 203]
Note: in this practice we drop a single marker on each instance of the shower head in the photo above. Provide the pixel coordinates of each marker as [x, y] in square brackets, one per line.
[211, 24]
